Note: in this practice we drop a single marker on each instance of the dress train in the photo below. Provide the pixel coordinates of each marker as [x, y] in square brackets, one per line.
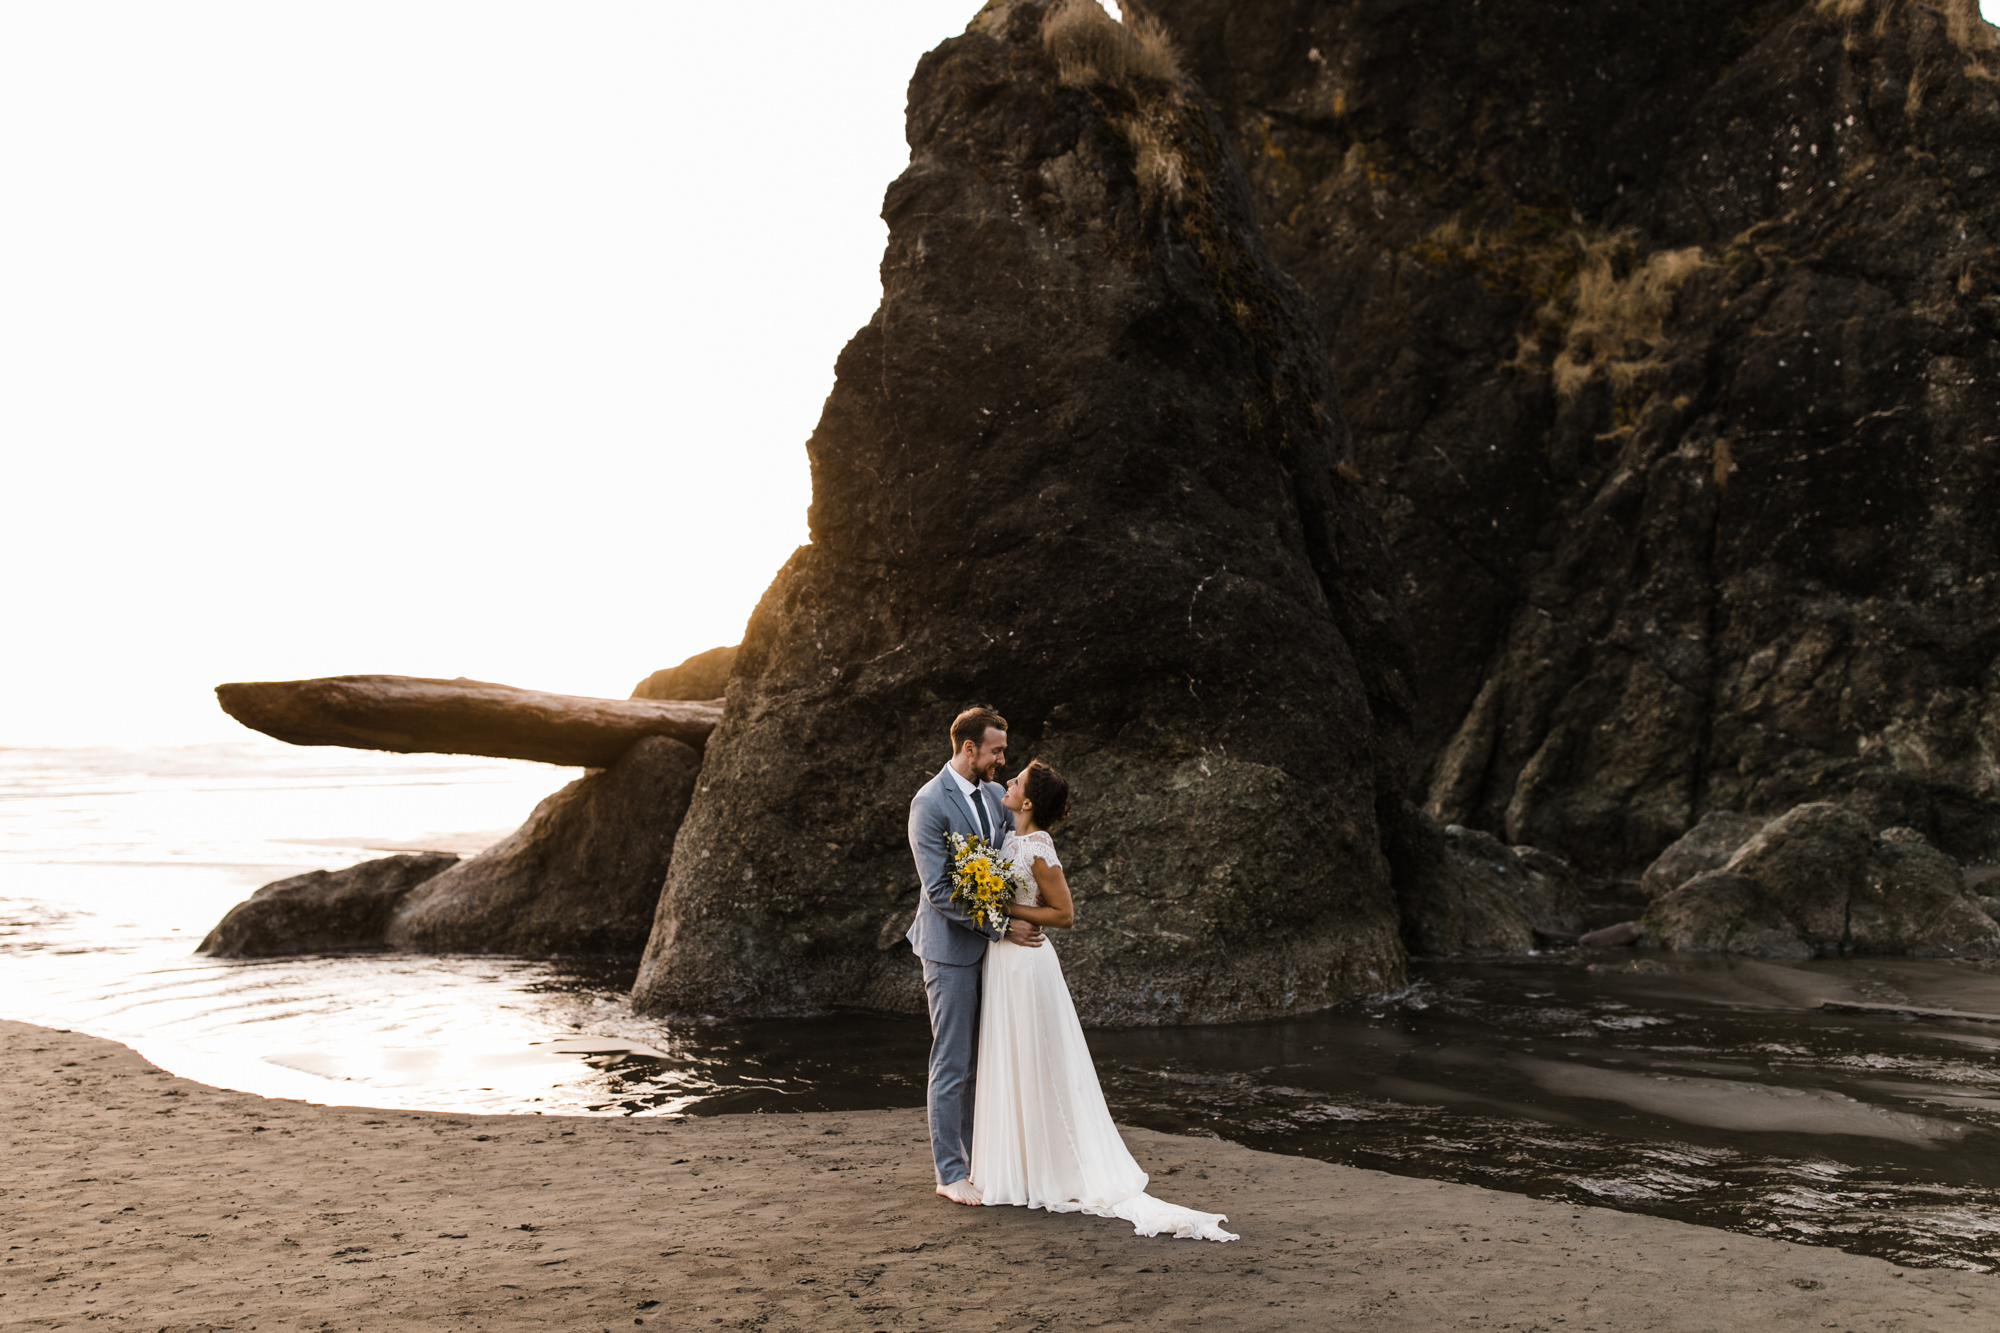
[1042, 1135]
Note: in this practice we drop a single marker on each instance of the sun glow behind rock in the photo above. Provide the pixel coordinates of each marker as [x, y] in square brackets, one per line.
[446, 339]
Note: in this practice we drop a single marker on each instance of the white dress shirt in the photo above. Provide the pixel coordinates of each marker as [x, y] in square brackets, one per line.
[977, 800]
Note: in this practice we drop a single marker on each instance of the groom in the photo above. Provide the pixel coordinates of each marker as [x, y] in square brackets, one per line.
[962, 798]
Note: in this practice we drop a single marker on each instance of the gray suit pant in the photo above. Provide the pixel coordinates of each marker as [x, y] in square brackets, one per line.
[953, 992]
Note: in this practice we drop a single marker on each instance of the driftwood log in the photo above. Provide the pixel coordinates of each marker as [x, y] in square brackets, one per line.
[414, 715]
[1904, 1010]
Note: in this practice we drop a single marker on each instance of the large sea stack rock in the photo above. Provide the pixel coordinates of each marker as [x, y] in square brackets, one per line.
[1084, 464]
[1669, 331]
[581, 876]
[323, 911]
[1816, 881]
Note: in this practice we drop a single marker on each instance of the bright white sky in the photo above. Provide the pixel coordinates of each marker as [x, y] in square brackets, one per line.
[438, 337]
[417, 336]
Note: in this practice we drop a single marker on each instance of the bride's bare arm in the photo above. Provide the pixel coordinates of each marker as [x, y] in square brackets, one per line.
[1056, 911]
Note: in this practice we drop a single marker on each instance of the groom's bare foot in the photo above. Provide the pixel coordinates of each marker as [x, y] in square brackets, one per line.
[961, 1191]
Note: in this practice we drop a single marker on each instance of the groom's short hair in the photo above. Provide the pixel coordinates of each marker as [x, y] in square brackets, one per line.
[971, 726]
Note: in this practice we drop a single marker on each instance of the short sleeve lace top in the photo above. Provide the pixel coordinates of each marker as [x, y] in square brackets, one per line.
[1025, 850]
[1036, 846]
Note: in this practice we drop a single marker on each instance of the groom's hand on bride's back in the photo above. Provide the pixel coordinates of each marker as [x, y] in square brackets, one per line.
[1024, 932]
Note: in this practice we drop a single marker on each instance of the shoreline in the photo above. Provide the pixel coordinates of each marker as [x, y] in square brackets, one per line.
[149, 1201]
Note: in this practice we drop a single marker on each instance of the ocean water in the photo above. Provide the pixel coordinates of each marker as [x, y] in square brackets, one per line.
[1711, 1090]
[115, 862]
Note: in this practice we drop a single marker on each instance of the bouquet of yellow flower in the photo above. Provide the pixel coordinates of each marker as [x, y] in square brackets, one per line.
[981, 883]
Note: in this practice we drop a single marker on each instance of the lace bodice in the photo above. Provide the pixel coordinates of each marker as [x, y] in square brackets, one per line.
[1024, 850]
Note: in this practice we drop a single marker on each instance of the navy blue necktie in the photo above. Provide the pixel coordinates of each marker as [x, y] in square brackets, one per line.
[979, 804]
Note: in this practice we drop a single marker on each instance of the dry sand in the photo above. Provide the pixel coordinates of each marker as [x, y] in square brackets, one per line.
[136, 1199]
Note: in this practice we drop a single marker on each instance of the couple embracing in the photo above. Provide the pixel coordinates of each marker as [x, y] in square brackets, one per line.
[1016, 1114]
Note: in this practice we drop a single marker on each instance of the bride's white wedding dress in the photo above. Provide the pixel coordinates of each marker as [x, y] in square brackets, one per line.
[1041, 1133]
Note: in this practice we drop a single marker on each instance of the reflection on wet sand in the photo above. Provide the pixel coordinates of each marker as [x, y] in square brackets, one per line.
[1710, 1090]
[1734, 1104]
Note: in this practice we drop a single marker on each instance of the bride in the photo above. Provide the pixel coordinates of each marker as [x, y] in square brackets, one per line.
[1041, 1133]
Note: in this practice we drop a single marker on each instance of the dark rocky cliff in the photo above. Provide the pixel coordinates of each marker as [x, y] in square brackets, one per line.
[1666, 330]
[1083, 464]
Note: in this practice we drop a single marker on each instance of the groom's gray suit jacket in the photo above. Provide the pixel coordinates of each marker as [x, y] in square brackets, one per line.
[941, 932]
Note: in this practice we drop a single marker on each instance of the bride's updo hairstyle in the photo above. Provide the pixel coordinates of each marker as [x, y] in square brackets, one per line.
[1048, 793]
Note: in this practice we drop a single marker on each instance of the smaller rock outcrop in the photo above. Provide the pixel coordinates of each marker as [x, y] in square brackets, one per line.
[323, 911]
[412, 714]
[581, 876]
[1817, 881]
[1462, 891]
[1706, 846]
[703, 676]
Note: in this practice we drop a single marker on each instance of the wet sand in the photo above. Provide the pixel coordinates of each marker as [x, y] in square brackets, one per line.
[136, 1199]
